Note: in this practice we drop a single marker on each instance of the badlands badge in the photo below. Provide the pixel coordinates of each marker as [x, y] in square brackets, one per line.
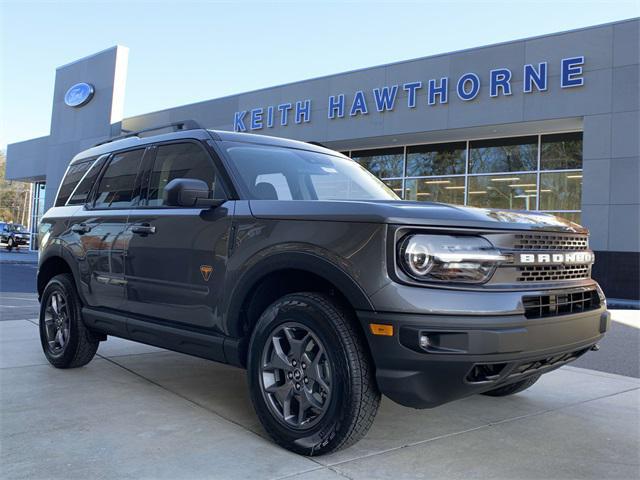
[206, 270]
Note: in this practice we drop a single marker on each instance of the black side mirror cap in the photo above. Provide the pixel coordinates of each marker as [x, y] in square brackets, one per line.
[189, 192]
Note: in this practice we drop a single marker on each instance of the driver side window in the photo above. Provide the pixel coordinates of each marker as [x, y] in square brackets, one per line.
[180, 160]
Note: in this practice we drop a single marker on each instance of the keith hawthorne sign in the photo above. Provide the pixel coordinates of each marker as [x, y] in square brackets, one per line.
[435, 91]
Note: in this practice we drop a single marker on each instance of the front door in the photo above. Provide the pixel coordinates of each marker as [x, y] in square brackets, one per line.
[176, 257]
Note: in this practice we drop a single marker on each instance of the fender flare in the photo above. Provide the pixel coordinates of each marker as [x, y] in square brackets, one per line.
[59, 251]
[319, 266]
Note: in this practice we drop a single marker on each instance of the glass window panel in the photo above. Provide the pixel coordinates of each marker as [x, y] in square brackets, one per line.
[383, 163]
[575, 217]
[116, 186]
[560, 191]
[73, 176]
[81, 193]
[561, 151]
[445, 190]
[279, 183]
[515, 192]
[396, 186]
[436, 159]
[503, 155]
[180, 160]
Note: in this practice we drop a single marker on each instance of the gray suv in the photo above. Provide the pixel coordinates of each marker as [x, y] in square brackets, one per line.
[294, 262]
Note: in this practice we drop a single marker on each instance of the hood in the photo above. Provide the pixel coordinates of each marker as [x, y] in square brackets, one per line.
[410, 213]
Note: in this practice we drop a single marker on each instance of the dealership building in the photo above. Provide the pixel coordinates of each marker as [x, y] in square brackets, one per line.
[549, 123]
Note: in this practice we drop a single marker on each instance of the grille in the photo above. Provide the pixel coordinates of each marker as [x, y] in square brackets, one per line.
[550, 273]
[560, 304]
[550, 242]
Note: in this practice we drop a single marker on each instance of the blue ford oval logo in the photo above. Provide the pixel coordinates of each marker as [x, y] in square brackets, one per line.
[79, 94]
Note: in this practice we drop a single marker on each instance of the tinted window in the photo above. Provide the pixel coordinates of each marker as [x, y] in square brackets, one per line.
[181, 160]
[74, 173]
[561, 151]
[503, 155]
[81, 193]
[443, 189]
[560, 190]
[438, 159]
[383, 162]
[116, 186]
[513, 192]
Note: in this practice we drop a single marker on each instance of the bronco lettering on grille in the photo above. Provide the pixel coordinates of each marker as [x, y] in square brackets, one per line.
[556, 258]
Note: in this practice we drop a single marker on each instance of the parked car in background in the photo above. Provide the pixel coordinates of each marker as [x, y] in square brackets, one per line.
[13, 235]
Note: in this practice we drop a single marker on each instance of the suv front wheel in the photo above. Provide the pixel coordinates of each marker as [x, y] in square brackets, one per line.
[310, 376]
[65, 340]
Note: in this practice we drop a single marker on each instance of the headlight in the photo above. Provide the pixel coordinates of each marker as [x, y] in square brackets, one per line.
[449, 258]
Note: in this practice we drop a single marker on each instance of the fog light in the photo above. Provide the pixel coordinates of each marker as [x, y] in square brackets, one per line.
[424, 341]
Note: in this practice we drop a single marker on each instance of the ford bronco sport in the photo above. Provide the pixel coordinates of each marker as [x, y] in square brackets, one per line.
[292, 261]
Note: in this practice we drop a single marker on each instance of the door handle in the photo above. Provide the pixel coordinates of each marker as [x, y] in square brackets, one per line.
[143, 229]
[80, 228]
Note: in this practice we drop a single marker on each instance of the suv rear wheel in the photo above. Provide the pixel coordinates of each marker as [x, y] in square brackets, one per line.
[310, 376]
[65, 340]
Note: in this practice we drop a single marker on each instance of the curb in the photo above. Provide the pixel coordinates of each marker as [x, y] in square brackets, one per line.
[622, 303]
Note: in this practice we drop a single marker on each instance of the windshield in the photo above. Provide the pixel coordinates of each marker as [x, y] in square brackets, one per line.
[276, 173]
[16, 228]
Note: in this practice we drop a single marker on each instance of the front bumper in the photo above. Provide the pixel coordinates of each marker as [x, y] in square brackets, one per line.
[469, 354]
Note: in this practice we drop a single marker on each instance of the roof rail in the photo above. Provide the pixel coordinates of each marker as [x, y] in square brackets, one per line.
[177, 126]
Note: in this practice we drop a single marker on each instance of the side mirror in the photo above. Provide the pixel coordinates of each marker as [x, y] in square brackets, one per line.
[188, 192]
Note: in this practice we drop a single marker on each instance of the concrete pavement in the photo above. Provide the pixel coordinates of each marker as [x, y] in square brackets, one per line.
[141, 412]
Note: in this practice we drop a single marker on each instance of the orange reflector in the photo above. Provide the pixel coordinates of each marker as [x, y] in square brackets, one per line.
[379, 329]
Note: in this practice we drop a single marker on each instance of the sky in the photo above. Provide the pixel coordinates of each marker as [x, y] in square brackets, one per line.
[188, 51]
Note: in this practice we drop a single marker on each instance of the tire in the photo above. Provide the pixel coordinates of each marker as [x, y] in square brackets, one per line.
[306, 349]
[65, 340]
[512, 388]
[10, 244]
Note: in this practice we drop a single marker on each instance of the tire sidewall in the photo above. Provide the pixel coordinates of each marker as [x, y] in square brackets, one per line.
[310, 314]
[61, 283]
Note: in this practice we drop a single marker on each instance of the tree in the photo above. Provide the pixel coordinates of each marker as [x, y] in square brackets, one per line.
[14, 197]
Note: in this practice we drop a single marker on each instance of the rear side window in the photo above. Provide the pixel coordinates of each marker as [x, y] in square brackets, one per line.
[117, 183]
[81, 194]
[180, 160]
[74, 174]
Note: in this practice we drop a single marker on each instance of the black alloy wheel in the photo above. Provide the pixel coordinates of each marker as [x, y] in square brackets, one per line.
[296, 376]
[56, 322]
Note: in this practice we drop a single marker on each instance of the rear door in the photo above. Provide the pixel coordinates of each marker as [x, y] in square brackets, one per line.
[99, 229]
[176, 259]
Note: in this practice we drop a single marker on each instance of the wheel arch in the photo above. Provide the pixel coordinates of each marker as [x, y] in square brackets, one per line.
[49, 268]
[279, 275]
